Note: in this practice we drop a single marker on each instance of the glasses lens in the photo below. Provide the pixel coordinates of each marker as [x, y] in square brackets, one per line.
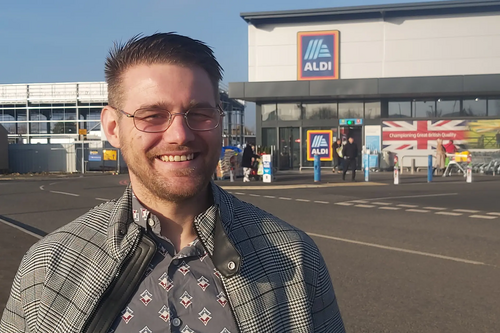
[151, 120]
[203, 118]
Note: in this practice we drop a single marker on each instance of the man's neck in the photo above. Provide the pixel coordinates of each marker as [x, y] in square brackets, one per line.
[177, 218]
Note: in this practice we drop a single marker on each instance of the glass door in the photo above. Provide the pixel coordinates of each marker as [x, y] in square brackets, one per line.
[289, 148]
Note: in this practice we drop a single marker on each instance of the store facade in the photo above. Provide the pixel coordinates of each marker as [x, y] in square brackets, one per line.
[394, 77]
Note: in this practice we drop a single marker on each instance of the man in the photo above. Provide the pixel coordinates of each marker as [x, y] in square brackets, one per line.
[450, 147]
[247, 161]
[337, 155]
[350, 152]
[175, 252]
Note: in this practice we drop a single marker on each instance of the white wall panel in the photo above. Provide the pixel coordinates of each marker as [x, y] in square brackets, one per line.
[422, 46]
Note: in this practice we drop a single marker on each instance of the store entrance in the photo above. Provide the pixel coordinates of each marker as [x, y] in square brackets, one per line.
[356, 132]
[289, 148]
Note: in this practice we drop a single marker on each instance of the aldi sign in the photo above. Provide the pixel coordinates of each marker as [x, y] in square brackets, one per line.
[318, 55]
[319, 142]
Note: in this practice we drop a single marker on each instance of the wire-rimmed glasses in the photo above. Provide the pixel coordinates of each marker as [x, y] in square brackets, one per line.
[156, 120]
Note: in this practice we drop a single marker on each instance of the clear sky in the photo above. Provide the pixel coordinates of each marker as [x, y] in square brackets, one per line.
[67, 41]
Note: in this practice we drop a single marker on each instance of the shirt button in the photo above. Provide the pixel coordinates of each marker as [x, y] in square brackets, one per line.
[176, 322]
[151, 222]
[231, 265]
[175, 262]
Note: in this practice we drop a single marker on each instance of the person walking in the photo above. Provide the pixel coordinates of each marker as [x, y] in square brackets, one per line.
[337, 155]
[247, 161]
[175, 253]
[350, 153]
[440, 156]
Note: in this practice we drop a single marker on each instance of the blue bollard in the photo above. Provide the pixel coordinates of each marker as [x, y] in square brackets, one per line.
[317, 169]
[429, 169]
[367, 167]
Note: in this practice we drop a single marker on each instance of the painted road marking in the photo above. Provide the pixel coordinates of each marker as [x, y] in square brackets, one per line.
[487, 217]
[360, 201]
[20, 228]
[66, 193]
[254, 195]
[493, 213]
[397, 249]
[448, 213]
[285, 198]
[41, 187]
[390, 208]
[381, 203]
[303, 200]
[322, 202]
[239, 193]
[415, 196]
[102, 199]
[435, 208]
[344, 203]
[466, 211]
[407, 206]
[270, 196]
[286, 187]
[418, 210]
[365, 206]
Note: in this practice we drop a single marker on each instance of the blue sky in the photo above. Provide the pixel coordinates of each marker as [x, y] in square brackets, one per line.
[67, 41]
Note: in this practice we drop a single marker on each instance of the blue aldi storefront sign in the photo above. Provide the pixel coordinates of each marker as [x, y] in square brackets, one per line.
[319, 142]
[318, 55]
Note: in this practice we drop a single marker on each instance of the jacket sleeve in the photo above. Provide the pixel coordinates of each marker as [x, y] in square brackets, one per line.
[13, 320]
[325, 310]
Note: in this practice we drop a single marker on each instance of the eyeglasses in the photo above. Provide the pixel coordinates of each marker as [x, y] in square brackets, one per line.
[156, 120]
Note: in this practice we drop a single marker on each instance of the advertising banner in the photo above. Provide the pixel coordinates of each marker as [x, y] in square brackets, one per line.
[319, 142]
[95, 156]
[422, 134]
[318, 55]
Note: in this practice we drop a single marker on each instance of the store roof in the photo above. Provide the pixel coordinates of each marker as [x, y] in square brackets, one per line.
[373, 11]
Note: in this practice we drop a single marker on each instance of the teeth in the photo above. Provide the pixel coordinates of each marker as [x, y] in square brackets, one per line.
[177, 158]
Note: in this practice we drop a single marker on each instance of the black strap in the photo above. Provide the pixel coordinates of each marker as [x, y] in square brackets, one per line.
[119, 293]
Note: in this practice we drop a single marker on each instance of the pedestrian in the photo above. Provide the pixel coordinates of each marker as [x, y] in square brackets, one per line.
[350, 153]
[337, 155]
[440, 156]
[247, 161]
[450, 147]
[176, 253]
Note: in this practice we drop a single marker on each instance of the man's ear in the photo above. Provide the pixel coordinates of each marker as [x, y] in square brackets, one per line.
[110, 125]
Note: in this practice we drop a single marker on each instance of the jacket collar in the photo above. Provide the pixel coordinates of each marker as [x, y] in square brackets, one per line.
[214, 234]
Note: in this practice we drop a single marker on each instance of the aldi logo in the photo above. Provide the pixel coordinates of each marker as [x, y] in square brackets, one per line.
[318, 55]
[319, 143]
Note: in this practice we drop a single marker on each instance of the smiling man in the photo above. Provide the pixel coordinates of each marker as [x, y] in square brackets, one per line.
[175, 253]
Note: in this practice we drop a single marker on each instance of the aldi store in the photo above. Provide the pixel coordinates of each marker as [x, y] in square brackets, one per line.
[394, 77]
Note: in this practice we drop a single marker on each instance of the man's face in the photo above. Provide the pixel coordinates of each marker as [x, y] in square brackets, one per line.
[351, 140]
[176, 89]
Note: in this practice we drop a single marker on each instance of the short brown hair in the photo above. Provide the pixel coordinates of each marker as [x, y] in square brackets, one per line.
[159, 48]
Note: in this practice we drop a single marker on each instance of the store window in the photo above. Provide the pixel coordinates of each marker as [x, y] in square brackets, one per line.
[372, 110]
[447, 108]
[320, 111]
[269, 137]
[424, 109]
[474, 107]
[400, 109]
[268, 112]
[289, 111]
[494, 108]
[350, 110]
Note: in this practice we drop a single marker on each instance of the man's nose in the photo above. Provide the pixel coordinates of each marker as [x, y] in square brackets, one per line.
[179, 132]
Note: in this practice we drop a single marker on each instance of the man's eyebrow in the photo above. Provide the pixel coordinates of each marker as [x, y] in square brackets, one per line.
[168, 106]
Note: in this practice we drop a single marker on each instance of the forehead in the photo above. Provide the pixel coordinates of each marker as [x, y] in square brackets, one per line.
[172, 84]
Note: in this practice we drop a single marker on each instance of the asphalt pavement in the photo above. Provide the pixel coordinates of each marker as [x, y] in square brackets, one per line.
[414, 257]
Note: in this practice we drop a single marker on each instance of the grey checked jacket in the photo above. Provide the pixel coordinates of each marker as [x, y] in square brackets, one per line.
[282, 286]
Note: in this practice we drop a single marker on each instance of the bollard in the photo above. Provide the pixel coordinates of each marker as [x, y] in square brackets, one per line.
[367, 167]
[469, 170]
[396, 170]
[317, 168]
[429, 169]
[231, 175]
[413, 166]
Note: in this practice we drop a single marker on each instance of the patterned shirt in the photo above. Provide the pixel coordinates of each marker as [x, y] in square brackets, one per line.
[180, 292]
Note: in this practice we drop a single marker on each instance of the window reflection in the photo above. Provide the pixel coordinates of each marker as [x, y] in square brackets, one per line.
[320, 111]
[289, 111]
[400, 109]
[268, 112]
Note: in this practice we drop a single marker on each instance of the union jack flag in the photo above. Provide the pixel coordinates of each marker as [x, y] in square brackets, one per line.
[421, 134]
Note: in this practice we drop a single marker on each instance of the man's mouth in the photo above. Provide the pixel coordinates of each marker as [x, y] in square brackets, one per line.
[177, 158]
